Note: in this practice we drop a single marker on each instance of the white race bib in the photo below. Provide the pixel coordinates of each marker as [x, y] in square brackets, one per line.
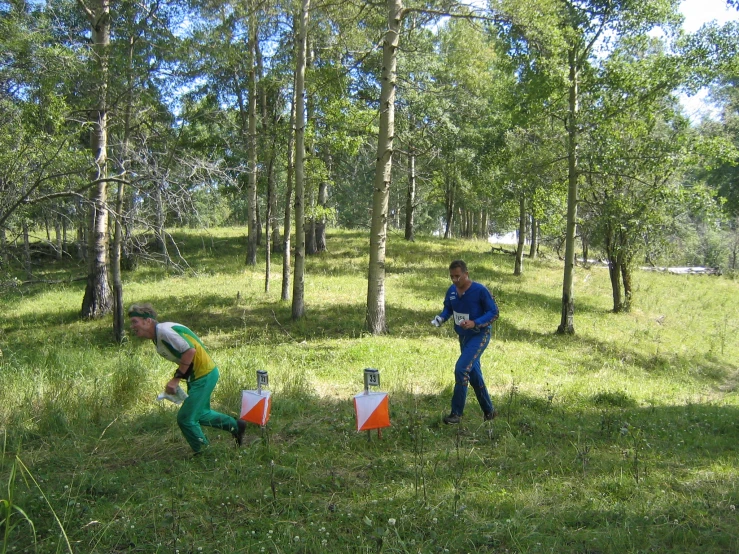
[459, 318]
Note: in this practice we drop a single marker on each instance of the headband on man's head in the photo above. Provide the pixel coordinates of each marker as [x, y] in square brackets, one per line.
[139, 314]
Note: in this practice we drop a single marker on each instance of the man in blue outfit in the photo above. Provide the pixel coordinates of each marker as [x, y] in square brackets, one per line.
[474, 311]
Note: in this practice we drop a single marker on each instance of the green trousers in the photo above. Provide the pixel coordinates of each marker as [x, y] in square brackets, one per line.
[195, 411]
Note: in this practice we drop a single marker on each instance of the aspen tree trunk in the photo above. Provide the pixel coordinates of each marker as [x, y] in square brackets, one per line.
[285, 295]
[161, 219]
[276, 238]
[518, 266]
[269, 216]
[323, 203]
[3, 247]
[271, 209]
[98, 301]
[320, 225]
[80, 225]
[375, 321]
[410, 198]
[626, 279]
[449, 204]
[119, 331]
[253, 226]
[567, 322]
[272, 199]
[270, 220]
[26, 250]
[119, 318]
[298, 305]
[268, 244]
[58, 250]
[534, 246]
[312, 153]
[310, 235]
[259, 221]
[614, 270]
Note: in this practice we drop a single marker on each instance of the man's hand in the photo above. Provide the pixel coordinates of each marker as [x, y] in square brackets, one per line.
[437, 321]
[467, 324]
[171, 387]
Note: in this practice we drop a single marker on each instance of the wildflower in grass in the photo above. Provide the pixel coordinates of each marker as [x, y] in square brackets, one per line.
[391, 521]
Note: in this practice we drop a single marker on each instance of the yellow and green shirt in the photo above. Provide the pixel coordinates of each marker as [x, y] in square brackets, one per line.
[173, 340]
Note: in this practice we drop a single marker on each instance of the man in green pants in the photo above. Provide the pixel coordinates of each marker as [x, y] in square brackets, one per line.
[180, 345]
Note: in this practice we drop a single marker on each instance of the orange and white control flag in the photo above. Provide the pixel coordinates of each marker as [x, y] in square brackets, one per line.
[371, 410]
[255, 407]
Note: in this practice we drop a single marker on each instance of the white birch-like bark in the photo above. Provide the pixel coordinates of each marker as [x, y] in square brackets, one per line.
[251, 254]
[567, 323]
[375, 320]
[298, 305]
[518, 265]
[98, 299]
[285, 294]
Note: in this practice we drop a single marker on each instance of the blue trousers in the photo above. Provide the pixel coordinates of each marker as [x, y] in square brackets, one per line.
[468, 372]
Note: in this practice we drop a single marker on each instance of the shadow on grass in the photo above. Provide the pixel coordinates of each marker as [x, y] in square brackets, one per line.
[272, 324]
[570, 474]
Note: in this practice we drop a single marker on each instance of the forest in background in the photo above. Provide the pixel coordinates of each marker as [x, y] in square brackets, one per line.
[559, 119]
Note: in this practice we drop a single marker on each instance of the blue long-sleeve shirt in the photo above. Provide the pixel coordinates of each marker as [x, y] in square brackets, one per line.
[475, 304]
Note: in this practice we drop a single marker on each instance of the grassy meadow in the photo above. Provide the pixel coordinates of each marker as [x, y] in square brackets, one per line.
[622, 438]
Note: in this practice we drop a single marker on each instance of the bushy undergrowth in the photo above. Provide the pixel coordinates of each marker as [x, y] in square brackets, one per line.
[622, 438]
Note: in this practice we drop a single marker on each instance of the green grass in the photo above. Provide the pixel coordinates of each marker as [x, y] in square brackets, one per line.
[622, 438]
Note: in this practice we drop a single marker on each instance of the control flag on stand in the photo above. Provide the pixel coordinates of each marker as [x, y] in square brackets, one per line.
[255, 407]
[371, 409]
